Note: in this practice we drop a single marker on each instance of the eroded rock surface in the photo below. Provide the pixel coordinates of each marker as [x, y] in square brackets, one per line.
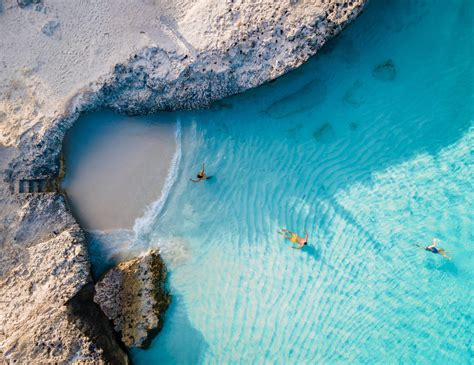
[132, 295]
[181, 55]
[43, 264]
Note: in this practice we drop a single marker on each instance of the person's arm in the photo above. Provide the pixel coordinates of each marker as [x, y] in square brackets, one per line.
[202, 170]
[307, 235]
[299, 247]
[435, 242]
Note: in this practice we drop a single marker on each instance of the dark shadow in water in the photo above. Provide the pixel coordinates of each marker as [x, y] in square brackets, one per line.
[100, 260]
[440, 263]
[312, 251]
[412, 134]
[324, 133]
[213, 180]
[107, 249]
[353, 126]
[221, 105]
[294, 131]
[385, 71]
[377, 246]
[306, 98]
[404, 14]
[178, 343]
[355, 96]
[341, 47]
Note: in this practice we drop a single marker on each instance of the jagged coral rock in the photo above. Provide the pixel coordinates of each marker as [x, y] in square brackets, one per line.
[132, 295]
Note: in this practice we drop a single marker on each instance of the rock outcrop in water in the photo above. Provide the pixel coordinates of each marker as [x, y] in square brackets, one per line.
[55, 62]
[132, 295]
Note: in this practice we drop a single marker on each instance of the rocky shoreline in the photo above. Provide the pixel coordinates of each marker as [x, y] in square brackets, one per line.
[45, 277]
[133, 296]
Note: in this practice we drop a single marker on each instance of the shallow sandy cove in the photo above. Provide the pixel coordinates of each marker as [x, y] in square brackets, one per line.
[116, 166]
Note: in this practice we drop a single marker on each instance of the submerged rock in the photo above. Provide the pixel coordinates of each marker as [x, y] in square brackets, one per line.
[354, 96]
[300, 101]
[132, 295]
[385, 71]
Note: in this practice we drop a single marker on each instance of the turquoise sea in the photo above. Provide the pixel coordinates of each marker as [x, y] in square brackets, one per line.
[370, 148]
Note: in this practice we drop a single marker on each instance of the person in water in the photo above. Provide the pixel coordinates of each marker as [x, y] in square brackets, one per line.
[434, 249]
[201, 175]
[294, 238]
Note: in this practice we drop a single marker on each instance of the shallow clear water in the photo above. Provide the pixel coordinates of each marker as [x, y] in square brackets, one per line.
[369, 147]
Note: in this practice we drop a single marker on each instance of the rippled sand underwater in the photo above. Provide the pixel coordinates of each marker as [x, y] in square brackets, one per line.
[369, 147]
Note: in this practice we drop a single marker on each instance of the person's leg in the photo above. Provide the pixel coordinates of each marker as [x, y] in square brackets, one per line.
[285, 233]
[290, 235]
[443, 252]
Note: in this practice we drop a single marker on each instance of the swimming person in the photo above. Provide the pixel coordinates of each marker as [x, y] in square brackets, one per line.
[434, 249]
[293, 237]
[201, 175]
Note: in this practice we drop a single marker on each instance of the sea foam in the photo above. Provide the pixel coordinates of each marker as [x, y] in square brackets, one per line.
[143, 225]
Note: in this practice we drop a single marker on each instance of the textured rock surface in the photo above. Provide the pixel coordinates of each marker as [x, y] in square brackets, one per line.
[201, 51]
[58, 59]
[133, 297]
[87, 316]
[43, 264]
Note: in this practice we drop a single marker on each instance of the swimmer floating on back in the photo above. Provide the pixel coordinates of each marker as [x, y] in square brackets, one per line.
[294, 238]
[434, 249]
[201, 175]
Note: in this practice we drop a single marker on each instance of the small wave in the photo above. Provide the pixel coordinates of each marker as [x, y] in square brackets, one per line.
[174, 250]
[109, 247]
[143, 225]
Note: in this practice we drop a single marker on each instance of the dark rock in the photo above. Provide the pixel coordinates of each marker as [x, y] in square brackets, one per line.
[25, 3]
[88, 317]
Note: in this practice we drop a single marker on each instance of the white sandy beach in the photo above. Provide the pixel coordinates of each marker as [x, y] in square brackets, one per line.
[53, 50]
[115, 166]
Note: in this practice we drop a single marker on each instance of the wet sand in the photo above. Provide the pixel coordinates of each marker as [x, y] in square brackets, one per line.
[116, 165]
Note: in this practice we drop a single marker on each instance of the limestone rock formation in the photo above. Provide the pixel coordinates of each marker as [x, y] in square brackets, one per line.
[190, 54]
[43, 264]
[132, 295]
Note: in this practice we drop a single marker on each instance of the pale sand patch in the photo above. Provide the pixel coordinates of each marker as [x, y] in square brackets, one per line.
[116, 165]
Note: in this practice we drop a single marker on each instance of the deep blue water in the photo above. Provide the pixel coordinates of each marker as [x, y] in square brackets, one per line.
[369, 147]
